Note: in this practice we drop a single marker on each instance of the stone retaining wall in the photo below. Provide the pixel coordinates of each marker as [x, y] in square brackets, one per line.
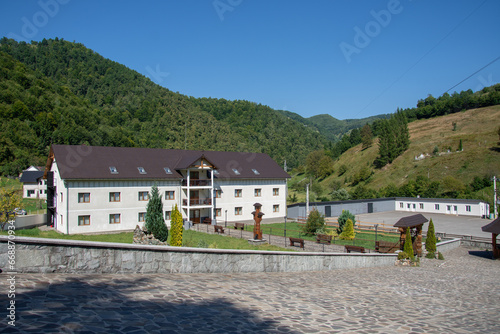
[36, 255]
[447, 245]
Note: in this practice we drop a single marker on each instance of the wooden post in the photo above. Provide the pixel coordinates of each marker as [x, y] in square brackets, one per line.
[419, 240]
[496, 253]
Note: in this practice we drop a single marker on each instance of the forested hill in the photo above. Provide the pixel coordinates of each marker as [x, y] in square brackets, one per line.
[330, 127]
[55, 91]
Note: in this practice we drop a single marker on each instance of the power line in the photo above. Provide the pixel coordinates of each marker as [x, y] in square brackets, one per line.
[421, 58]
[482, 68]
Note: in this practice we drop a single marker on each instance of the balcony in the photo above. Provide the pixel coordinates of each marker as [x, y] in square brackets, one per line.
[197, 183]
[197, 201]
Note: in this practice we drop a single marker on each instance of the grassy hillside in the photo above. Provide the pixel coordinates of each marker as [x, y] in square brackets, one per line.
[477, 128]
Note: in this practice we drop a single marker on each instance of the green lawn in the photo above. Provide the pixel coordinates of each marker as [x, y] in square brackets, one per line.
[293, 229]
[190, 239]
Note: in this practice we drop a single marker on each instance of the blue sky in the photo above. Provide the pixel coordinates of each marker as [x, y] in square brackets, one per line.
[349, 59]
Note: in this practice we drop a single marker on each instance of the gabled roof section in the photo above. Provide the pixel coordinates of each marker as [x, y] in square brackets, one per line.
[493, 227]
[94, 162]
[30, 176]
[411, 221]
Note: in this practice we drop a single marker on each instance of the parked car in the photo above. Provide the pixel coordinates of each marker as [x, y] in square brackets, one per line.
[19, 211]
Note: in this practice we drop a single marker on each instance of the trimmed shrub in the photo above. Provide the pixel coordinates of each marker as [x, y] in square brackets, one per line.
[348, 233]
[176, 228]
[440, 256]
[430, 242]
[430, 255]
[155, 223]
[403, 256]
[344, 216]
[315, 221]
[408, 248]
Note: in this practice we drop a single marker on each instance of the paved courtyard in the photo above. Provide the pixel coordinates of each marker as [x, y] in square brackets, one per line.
[458, 295]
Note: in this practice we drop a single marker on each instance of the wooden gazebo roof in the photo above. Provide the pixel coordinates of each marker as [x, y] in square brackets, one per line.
[411, 221]
[493, 227]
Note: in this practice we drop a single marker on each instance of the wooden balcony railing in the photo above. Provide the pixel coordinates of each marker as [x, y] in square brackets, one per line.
[197, 183]
[197, 201]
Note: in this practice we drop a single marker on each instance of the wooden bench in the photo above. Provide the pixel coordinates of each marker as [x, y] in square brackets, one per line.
[207, 220]
[218, 229]
[239, 226]
[323, 238]
[351, 248]
[297, 240]
[386, 247]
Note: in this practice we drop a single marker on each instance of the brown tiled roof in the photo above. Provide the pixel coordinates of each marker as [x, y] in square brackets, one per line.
[411, 221]
[493, 227]
[94, 162]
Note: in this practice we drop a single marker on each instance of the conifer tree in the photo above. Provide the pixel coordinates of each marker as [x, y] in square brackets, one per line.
[342, 220]
[155, 223]
[176, 228]
[348, 233]
[430, 241]
[408, 247]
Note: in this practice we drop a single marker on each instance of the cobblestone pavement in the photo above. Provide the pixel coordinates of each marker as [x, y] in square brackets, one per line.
[457, 295]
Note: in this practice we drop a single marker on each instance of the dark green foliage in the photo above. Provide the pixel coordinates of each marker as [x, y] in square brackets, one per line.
[430, 241]
[318, 164]
[155, 223]
[440, 256]
[480, 183]
[57, 92]
[342, 220]
[366, 136]
[408, 247]
[394, 139]
[403, 256]
[430, 255]
[315, 221]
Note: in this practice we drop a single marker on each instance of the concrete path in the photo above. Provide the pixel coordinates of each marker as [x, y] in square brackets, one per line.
[458, 295]
[462, 225]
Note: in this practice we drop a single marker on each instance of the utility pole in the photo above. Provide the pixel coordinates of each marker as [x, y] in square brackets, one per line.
[286, 199]
[307, 200]
[495, 213]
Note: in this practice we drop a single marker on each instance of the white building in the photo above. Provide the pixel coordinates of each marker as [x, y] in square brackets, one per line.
[462, 207]
[101, 189]
[34, 186]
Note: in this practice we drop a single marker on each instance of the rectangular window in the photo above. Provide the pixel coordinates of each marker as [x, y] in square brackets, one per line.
[218, 212]
[61, 196]
[436, 206]
[409, 206]
[218, 193]
[401, 205]
[142, 217]
[168, 215]
[455, 208]
[238, 192]
[276, 191]
[258, 192]
[448, 207]
[114, 218]
[31, 192]
[143, 196]
[41, 191]
[422, 206]
[169, 195]
[83, 197]
[276, 208]
[83, 220]
[467, 208]
[238, 211]
[114, 197]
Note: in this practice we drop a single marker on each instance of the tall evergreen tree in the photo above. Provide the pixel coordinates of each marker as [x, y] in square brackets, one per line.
[176, 227]
[430, 241]
[155, 223]
[408, 247]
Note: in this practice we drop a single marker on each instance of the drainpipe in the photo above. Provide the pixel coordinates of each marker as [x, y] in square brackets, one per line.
[67, 206]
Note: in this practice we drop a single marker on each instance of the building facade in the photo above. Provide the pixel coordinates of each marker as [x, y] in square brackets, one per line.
[463, 207]
[104, 189]
[34, 186]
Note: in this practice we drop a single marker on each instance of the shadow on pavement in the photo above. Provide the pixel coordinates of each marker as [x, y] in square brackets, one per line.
[483, 254]
[89, 304]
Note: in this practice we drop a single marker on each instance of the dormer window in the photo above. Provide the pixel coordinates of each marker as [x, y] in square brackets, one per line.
[256, 172]
[141, 170]
[167, 170]
[237, 172]
[113, 170]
